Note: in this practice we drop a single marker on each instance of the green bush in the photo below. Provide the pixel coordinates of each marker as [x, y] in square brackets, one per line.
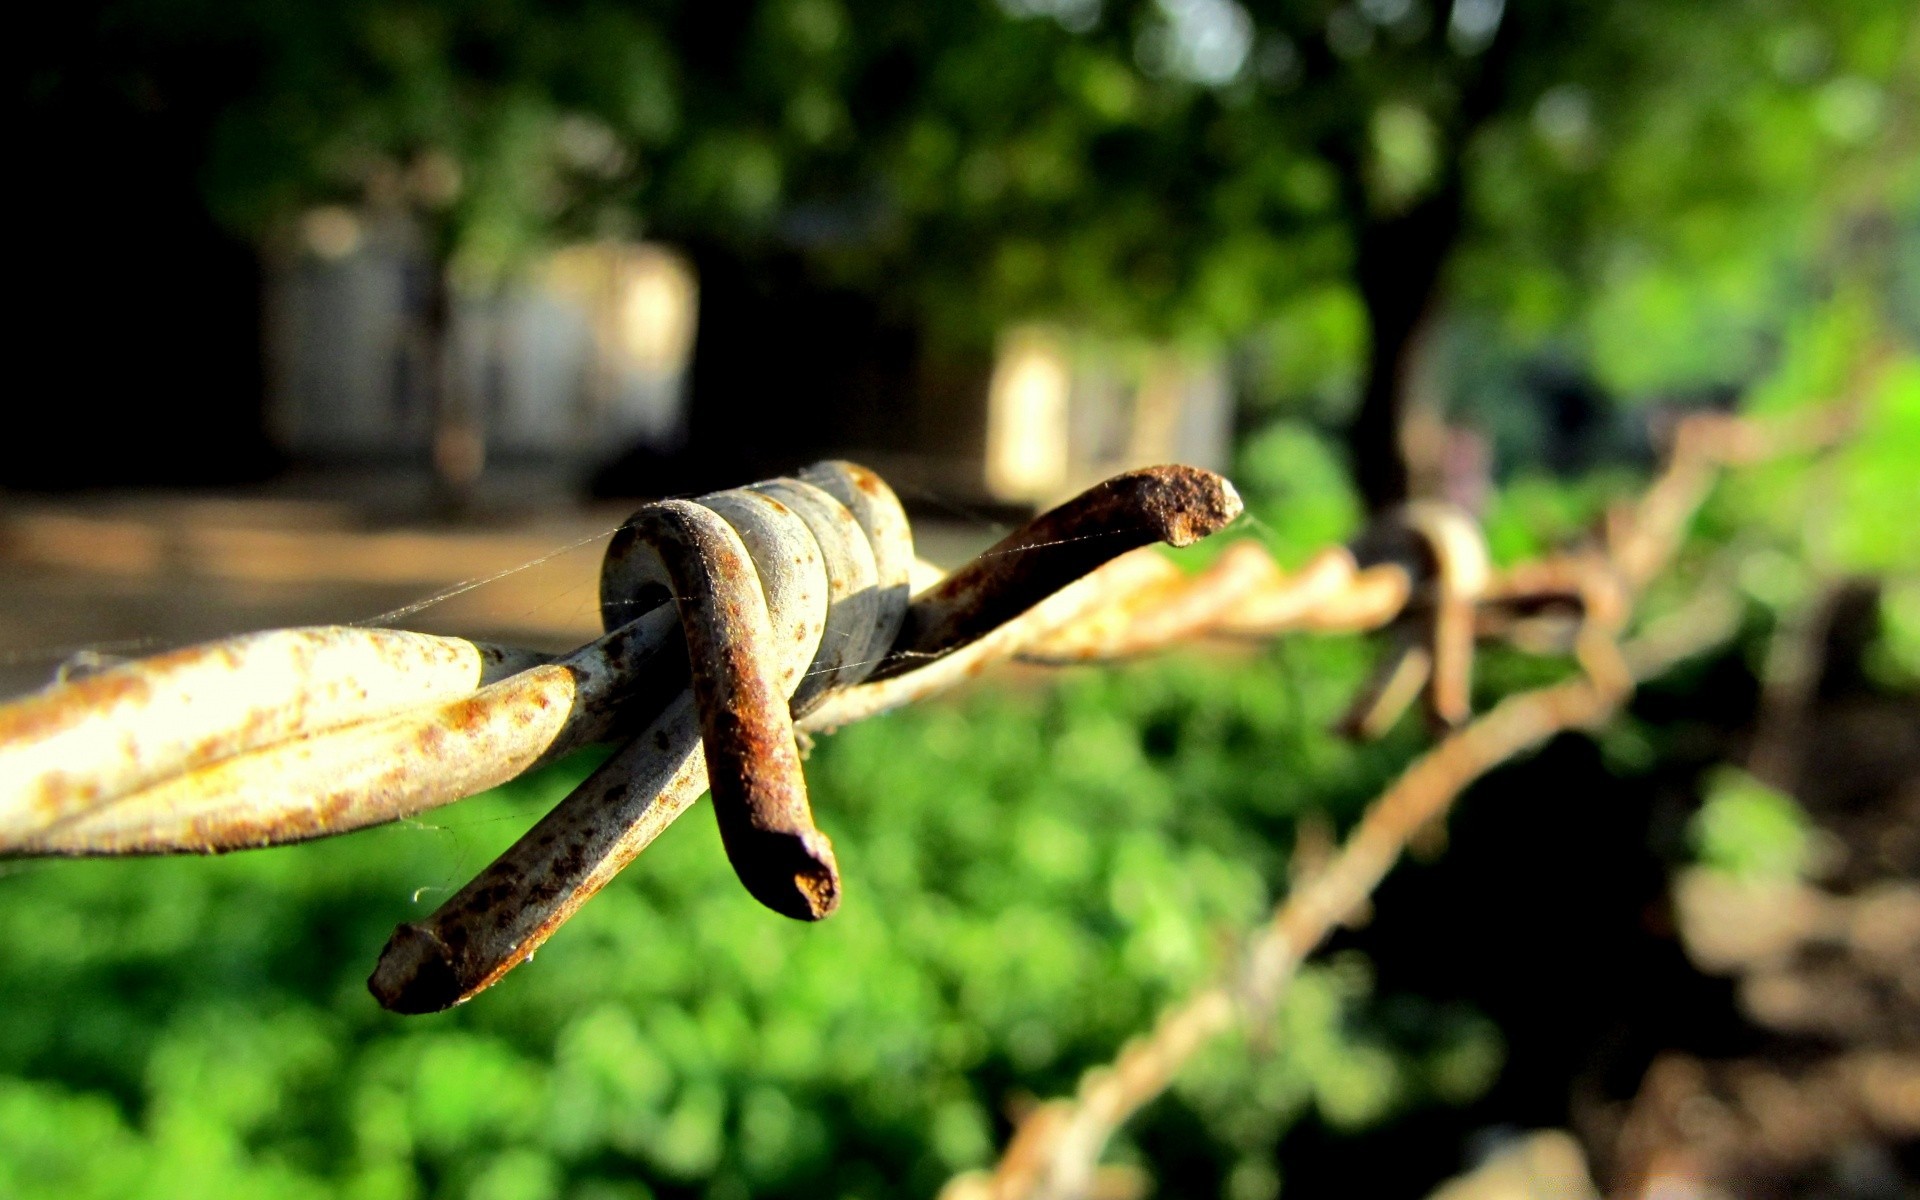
[1031, 873]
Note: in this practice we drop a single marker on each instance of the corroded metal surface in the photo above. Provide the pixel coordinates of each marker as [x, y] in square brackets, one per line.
[1174, 505]
[753, 759]
[1135, 571]
[1582, 600]
[382, 768]
[497, 921]
[90, 741]
[1330, 592]
[333, 782]
[703, 552]
[732, 620]
[1151, 618]
[832, 575]
[1440, 552]
[876, 510]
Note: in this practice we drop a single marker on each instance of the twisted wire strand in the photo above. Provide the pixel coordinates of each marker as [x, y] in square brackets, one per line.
[1580, 602]
[76, 748]
[300, 733]
[276, 737]
[512, 906]
[791, 613]
[787, 596]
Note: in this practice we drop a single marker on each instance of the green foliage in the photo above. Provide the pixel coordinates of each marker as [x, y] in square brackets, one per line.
[1651, 189]
[1297, 491]
[1900, 647]
[1299, 498]
[1031, 875]
[1534, 514]
[1814, 516]
[1872, 528]
[1201, 173]
[1748, 829]
[1306, 353]
[1608, 232]
[1352, 1073]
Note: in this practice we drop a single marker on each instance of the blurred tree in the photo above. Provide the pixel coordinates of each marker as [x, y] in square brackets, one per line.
[1638, 180]
[494, 129]
[1193, 167]
[1632, 178]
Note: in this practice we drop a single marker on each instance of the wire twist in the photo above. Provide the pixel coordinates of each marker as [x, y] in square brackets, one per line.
[785, 591]
[789, 603]
[734, 622]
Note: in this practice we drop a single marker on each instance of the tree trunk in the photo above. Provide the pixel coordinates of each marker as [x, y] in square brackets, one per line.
[459, 440]
[1399, 258]
[1399, 261]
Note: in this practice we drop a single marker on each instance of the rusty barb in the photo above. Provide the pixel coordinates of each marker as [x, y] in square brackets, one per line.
[797, 606]
[1422, 575]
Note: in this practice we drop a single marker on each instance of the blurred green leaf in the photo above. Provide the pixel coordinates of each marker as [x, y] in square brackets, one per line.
[1748, 829]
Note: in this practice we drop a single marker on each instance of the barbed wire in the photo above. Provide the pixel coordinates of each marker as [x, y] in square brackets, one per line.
[1055, 1149]
[798, 607]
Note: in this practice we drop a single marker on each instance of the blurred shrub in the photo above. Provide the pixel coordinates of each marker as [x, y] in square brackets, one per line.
[1031, 874]
[1297, 491]
[1536, 513]
[1748, 829]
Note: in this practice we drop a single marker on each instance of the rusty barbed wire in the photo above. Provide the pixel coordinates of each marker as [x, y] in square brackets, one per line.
[1055, 1149]
[1580, 602]
[798, 607]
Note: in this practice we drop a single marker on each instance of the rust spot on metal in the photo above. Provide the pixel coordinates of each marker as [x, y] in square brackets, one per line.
[1177, 505]
[36, 717]
[703, 690]
[753, 763]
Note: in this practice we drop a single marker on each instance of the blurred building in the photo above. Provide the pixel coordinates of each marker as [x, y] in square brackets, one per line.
[588, 351]
[1062, 414]
[612, 359]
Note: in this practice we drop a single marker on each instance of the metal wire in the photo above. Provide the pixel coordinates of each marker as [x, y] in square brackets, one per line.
[791, 614]
[1056, 1146]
